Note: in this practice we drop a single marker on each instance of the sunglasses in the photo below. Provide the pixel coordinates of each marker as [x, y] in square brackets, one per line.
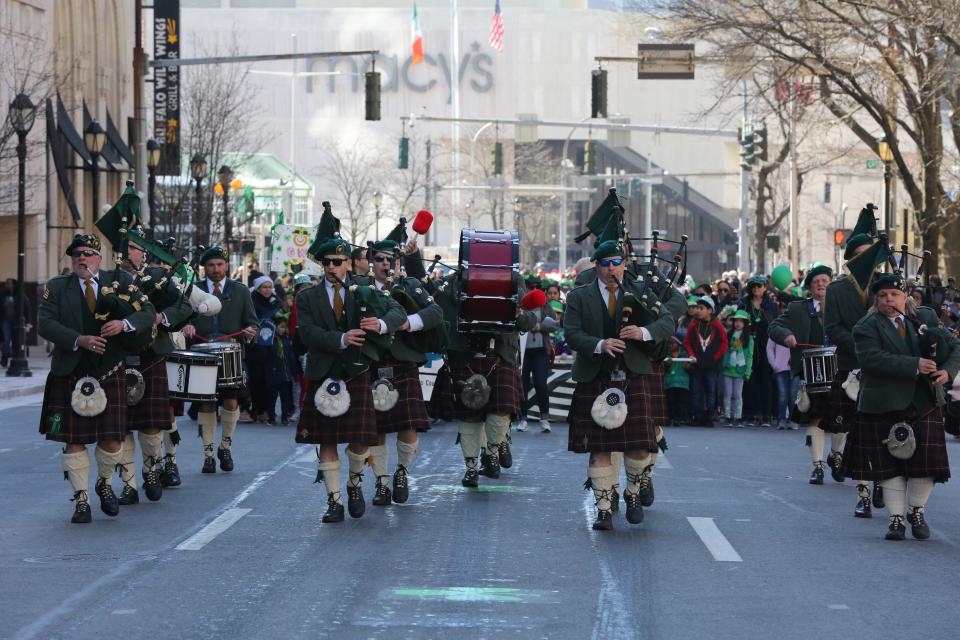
[334, 261]
[724, 290]
[382, 258]
[606, 262]
[86, 253]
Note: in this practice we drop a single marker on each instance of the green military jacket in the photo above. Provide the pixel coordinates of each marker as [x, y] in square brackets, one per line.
[506, 345]
[842, 309]
[237, 312]
[407, 346]
[888, 363]
[797, 321]
[176, 313]
[64, 317]
[319, 330]
[586, 322]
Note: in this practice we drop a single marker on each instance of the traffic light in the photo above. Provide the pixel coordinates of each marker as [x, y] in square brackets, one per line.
[372, 95]
[840, 236]
[498, 158]
[404, 152]
[598, 93]
[760, 142]
[589, 158]
[748, 151]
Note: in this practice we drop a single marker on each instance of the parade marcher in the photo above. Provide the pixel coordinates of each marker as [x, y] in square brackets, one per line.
[152, 415]
[237, 319]
[399, 369]
[800, 327]
[536, 362]
[85, 398]
[899, 437]
[845, 304]
[611, 362]
[337, 322]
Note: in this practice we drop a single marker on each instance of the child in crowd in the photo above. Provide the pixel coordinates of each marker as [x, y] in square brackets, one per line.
[737, 365]
[676, 382]
[281, 370]
[779, 358]
[706, 342]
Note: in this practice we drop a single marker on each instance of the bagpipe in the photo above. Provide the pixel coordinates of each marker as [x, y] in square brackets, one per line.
[934, 340]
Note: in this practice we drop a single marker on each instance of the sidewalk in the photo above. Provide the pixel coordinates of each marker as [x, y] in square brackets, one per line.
[39, 367]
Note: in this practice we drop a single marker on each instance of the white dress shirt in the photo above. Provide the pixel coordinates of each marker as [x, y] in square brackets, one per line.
[605, 294]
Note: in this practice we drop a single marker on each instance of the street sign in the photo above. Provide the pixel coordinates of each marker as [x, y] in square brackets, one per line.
[665, 62]
[874, 163]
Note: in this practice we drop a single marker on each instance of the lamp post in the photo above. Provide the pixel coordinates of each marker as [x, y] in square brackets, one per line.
[198, 170]
[153, 161]
[225, 175]
[377, 201]
[22, 113]
[886, 155]
[94, 139]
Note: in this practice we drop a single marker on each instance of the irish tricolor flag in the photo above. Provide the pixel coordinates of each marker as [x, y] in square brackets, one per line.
[417, 38]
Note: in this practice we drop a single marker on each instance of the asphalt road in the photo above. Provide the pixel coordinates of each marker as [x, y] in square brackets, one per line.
[737, 545]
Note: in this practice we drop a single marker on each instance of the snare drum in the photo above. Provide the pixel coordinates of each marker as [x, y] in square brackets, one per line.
[819, 368]
[230, 375]
[489, 261]
[192, 376]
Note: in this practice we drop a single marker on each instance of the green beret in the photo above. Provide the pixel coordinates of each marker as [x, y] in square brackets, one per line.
[608, 249]
[335, 245]
[820, 269]
[83, 240]
[888, 281]
[214, 253]
[854, 241]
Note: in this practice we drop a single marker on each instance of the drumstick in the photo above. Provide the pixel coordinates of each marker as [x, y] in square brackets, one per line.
[218, 338]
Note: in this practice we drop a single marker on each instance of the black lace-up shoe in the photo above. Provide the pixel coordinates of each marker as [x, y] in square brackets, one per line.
[356, 505]
[226, 459]
[401, 485]
[816, 477]
[604, 521]
[863, 509]
[81, 508]
[634, 509]
[381, 495]
[471, 478]
[209, 465]
[646, 489]
[918, 525]
[491, 465]
[108, 499]
[835, 460]
[897, 530]
[128, 496]
[334, 510]
[171, 473]
[152, 486]
[504, 454]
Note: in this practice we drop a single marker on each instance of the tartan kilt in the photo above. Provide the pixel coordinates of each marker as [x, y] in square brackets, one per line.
[239, 393]
[639, 431]
[657, 402]
[358, 424]
[840, 413]
[410, 412]
[76, 429]
[177, 406]
[506, 388]
[153, 410]
[866, 457]
[819, 408]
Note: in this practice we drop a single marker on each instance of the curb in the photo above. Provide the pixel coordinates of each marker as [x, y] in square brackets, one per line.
[22, 391]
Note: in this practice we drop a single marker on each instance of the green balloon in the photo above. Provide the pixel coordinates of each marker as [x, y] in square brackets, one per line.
[781, 276]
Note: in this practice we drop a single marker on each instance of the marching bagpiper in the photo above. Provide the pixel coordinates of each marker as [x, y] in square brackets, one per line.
[611, 408]
[85, 398]
[398, 396]
[340, 322]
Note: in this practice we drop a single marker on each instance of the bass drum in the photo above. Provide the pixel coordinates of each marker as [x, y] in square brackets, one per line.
[489, 263]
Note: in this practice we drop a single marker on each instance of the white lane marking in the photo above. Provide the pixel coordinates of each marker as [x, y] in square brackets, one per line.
[123, 612]
[662, 461]
[5, 450]
[222, 522]
[838, 607]
[716, 543]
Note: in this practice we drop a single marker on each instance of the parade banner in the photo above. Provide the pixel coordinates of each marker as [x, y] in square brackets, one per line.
[166, 85]
[289, 250]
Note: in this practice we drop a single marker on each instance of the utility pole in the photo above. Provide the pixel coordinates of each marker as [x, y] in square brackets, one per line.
[139, 112]
[794, 217]
[743, 244]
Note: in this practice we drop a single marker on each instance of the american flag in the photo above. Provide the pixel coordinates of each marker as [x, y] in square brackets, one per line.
[496, 29]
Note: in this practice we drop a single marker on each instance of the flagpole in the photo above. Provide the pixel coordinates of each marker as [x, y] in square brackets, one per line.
[455, 99]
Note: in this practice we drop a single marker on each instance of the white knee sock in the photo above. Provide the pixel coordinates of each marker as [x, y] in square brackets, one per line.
[208, 430]
[817, 439]
[405, 453]
[616, 462]
[107, 462]
[634, 469]
[330, 473]
[470, 439]
[918, 491]
[894, 494]
[651, 463]
[150, 444]
[496, 428]
[837, 440]
[76, 469]
[127, 461]
[378, 455]
[355, 463]
[600, 479]
[170, 440]
[228, 425]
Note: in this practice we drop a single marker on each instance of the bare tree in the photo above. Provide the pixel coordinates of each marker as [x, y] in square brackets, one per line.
[537, 215]
[355, 172]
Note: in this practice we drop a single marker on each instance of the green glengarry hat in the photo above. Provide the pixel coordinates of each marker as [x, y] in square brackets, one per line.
[888, 281]
[394, 240]
[863, 232]
[327, 239]
[214, 253]
[83, 240]
[610, 242]
[816, 270]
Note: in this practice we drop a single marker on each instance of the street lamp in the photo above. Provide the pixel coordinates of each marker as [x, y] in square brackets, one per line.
[198, 170]
[22, 113]
[225, 175]
[153, 161]
[886, 155]
[377, 201]
[94, 139]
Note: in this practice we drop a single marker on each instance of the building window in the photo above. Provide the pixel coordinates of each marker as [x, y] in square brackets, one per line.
[300, 211]
[826, 193]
